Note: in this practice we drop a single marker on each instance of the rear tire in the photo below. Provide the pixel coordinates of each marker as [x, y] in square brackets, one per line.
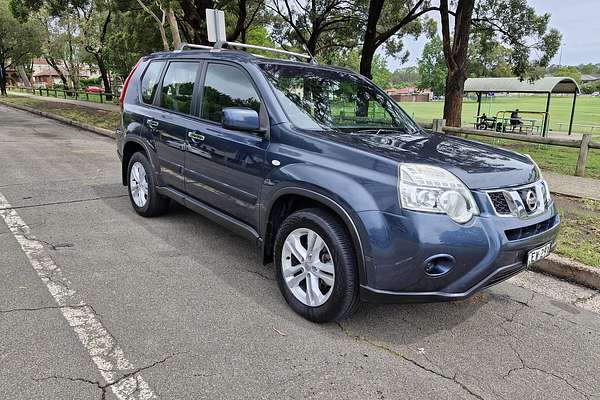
[145, 199]
[328, 269]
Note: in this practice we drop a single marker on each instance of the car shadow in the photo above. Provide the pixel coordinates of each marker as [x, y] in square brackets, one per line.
[230, 255]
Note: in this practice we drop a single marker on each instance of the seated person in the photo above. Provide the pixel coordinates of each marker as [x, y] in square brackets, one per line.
[515, 120]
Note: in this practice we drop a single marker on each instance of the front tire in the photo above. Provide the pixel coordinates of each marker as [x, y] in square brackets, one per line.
[316, 266]
[144, 197]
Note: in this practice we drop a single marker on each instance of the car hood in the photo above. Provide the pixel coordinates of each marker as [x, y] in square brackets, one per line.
[476, 164]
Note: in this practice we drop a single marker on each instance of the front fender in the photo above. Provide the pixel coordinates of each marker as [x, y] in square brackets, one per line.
[341, 187]
[341, 193]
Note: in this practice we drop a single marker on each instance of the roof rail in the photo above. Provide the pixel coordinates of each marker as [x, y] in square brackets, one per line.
[220, 45]
[184, 46]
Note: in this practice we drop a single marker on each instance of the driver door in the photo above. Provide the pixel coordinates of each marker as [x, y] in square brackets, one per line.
[223, 167]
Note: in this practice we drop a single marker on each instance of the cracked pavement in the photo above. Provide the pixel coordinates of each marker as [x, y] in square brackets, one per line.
[193, 309]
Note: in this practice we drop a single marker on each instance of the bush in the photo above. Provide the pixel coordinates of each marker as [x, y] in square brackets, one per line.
[90, 82]
[590, 88]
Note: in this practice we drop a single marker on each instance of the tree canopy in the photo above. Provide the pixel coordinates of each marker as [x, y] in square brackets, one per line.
[19, 42]
[478, 37]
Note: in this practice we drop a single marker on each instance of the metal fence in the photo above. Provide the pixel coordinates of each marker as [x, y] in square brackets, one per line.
[111, 98]
[584, 144]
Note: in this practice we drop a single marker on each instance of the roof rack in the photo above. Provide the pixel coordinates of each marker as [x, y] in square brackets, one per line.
[184, 46]
[219, 45]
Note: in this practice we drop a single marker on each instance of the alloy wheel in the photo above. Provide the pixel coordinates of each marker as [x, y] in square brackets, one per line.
[307, 267]
[138, 184]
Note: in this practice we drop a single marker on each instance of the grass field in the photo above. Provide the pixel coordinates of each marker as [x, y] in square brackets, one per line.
[587, 111]
[552, 158]
[100, 118]
[579, 237]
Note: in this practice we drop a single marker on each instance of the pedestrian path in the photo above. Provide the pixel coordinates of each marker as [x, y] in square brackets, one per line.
[89, 104]
[575, 186]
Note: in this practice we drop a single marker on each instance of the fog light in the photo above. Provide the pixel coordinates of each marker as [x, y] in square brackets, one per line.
[439, 265]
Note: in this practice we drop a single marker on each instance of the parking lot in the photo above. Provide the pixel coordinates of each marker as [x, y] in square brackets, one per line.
[99, 303]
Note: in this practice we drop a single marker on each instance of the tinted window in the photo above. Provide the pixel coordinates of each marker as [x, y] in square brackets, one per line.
[227, 86]
[178, 86]
[150, 81]
[320, 98]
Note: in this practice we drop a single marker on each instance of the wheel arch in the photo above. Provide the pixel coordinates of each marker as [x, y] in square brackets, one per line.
[131, 147]
[290, 199]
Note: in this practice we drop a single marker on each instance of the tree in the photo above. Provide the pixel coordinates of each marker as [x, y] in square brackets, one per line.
[382, 76]
[403, 77]
[95, 26]
[314, 26]
[240, 15]
[385, 23]
[19, 42]
[167, 17]
[432, 67]
[512, 22]
[488, 57]
[571, 72]
[124, 47]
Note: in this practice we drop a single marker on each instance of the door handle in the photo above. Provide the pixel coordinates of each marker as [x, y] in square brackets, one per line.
[195, 136]
[152, 123]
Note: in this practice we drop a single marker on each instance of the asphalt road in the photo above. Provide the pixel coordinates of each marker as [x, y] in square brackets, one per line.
[97, 302]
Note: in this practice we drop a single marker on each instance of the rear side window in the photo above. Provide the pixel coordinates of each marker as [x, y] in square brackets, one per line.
[178, 86]
[150, 81]
[227, 86]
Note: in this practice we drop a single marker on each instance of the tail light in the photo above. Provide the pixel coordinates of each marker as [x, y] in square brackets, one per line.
[126, 84]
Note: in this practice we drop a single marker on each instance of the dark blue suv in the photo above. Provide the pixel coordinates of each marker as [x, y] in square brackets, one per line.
[331, 179]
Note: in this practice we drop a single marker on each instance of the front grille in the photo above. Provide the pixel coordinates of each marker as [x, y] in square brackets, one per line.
[522, 202]
[530, 230]
[499, 202]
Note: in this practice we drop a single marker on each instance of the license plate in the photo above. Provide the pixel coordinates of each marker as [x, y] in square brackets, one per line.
[539, 253]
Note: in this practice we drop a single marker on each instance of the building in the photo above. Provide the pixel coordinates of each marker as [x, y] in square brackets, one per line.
[585, 78]
[410, 94]
[45, 76]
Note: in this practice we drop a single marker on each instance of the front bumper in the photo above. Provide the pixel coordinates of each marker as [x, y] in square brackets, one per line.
[398, 247]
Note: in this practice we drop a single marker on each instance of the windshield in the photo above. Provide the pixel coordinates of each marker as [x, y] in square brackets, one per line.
[318, 99]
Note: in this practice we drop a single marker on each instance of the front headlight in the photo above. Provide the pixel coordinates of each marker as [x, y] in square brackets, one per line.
[433, 189]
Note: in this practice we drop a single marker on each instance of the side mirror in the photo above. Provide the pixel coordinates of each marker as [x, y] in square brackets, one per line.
[241, 119]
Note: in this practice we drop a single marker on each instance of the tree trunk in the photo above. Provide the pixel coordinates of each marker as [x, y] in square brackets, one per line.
[174, 28]
[456, 57]
[23, 76]
[2, 80]
[369, 41]
[455, 84]
[104, 75]
[366, 61]
[52, 62]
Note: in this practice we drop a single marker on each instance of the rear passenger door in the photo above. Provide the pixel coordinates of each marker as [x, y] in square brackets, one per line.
[224, 167]
[169, 118]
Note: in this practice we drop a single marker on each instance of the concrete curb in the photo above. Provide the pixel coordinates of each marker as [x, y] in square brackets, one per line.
[64, 120]
[569, 270]
[552, 265]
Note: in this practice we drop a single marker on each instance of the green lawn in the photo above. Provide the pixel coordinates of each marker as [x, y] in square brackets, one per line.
[587, 111]
[579, 236]
[552, 158]
[100, 118]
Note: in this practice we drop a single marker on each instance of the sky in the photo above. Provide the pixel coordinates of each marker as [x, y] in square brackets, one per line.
[577, 20]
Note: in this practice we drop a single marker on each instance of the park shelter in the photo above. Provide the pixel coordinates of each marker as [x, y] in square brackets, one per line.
[548, 85]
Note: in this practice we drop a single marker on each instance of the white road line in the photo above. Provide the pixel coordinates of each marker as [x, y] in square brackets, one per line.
[101, 346]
